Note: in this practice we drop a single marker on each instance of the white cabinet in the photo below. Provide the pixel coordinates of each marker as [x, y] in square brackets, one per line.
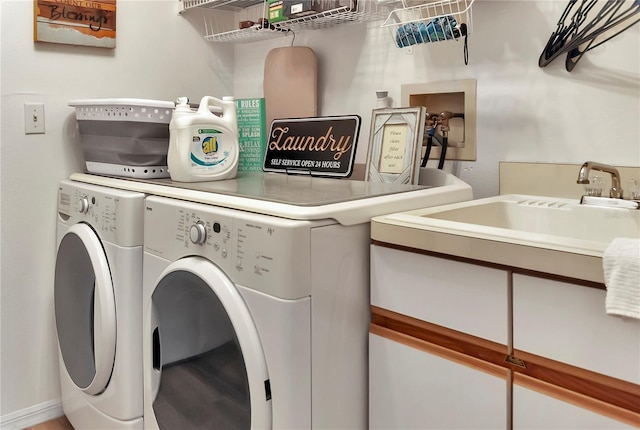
[442, 329]
[415, 384]
[414, 389]
[464, 297]
[568, 323]
[534, 410]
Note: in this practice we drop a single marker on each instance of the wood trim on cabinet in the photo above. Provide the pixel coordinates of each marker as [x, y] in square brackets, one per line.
[518, 270]
[440, 351]
[593, 391]
[605, 388]
[453, 340]
[577, 399]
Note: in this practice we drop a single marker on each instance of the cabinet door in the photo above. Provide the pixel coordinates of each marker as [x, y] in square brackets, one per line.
[413, 389]
[464, 297]
[568, 323]
[533, 410]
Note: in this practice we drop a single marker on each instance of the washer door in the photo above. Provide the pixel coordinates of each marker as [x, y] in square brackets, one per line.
[208, 368]
[85, 309]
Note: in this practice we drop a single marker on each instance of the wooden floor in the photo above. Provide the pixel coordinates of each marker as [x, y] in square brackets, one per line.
[61, 423]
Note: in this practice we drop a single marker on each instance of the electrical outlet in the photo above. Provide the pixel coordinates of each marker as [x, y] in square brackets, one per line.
[34, 118]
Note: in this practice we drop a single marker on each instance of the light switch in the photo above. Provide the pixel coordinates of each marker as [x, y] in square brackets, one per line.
[34, 118]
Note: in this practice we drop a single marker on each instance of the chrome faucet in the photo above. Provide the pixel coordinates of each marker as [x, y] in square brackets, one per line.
[583, 176]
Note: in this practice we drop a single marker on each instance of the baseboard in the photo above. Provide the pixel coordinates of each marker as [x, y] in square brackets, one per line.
[32, 415]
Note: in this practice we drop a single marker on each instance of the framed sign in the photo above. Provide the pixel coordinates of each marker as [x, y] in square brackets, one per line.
[77, 22]
[322, 146]
[395, 145]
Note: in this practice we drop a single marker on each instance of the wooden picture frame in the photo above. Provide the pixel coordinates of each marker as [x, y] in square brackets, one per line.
[395, 145]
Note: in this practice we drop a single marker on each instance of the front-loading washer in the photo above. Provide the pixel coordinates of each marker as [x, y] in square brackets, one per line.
[243, 311]
[97, 305]
[256, 296]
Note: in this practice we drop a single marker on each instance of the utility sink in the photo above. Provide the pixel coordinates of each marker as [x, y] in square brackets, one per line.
[515, 230]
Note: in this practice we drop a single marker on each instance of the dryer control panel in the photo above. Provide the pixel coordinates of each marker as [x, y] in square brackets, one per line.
[261, 252]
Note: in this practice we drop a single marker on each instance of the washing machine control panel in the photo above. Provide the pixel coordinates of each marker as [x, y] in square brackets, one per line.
[114, 214]
[262, 252]
[203, 234]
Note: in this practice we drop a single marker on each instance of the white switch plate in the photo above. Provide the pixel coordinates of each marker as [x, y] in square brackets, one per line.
[34, 118]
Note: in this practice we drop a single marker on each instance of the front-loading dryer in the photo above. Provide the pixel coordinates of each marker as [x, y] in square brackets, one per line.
[243, 310]
[97, 305]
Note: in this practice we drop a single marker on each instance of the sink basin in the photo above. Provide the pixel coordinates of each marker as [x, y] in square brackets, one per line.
[559, 223]
[522, 222]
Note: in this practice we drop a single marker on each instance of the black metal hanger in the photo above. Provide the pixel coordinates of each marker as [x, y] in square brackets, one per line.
[615, 24]
[565, 31]
[580, 34]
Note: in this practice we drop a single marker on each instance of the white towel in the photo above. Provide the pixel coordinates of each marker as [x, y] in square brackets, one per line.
[621, 264]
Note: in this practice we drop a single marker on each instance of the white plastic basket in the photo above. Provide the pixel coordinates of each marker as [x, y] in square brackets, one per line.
[435, 21]
[125, 137]
[142, 110]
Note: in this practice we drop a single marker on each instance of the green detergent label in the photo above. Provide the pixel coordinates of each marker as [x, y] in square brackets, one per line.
[252, 133]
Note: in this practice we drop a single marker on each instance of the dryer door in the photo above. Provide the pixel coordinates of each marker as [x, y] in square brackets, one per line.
[85, 309]
[207, 367]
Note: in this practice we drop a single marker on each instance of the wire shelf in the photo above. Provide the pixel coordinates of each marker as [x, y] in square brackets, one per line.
[220, 4]
[221, 26]
[366, 11]
[435, 21]
[251, 34]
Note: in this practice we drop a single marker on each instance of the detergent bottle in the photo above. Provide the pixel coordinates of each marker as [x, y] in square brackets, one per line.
[203, 146]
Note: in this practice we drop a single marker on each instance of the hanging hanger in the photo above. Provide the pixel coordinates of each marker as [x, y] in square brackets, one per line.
[611, 16]
[581, 36]
[575, 54]
[579, 32]
[564, 32]
[614, 25]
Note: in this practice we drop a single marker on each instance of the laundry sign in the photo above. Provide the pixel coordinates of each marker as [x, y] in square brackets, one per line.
[323, 146]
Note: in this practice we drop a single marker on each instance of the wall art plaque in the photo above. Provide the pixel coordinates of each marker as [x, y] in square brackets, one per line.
[76, 22]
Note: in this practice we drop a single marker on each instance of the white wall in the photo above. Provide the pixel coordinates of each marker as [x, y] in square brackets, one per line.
[159, 55]
[524, 114]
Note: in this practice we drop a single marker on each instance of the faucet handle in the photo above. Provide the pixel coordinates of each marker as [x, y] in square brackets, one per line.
[594, 186]
[634, 189]
[616, 193]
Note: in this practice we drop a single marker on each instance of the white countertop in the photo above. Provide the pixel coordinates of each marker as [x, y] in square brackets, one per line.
[348, 202]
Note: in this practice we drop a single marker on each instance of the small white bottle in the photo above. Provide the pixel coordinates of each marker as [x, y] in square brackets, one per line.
[383, 100]
[203, 146]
